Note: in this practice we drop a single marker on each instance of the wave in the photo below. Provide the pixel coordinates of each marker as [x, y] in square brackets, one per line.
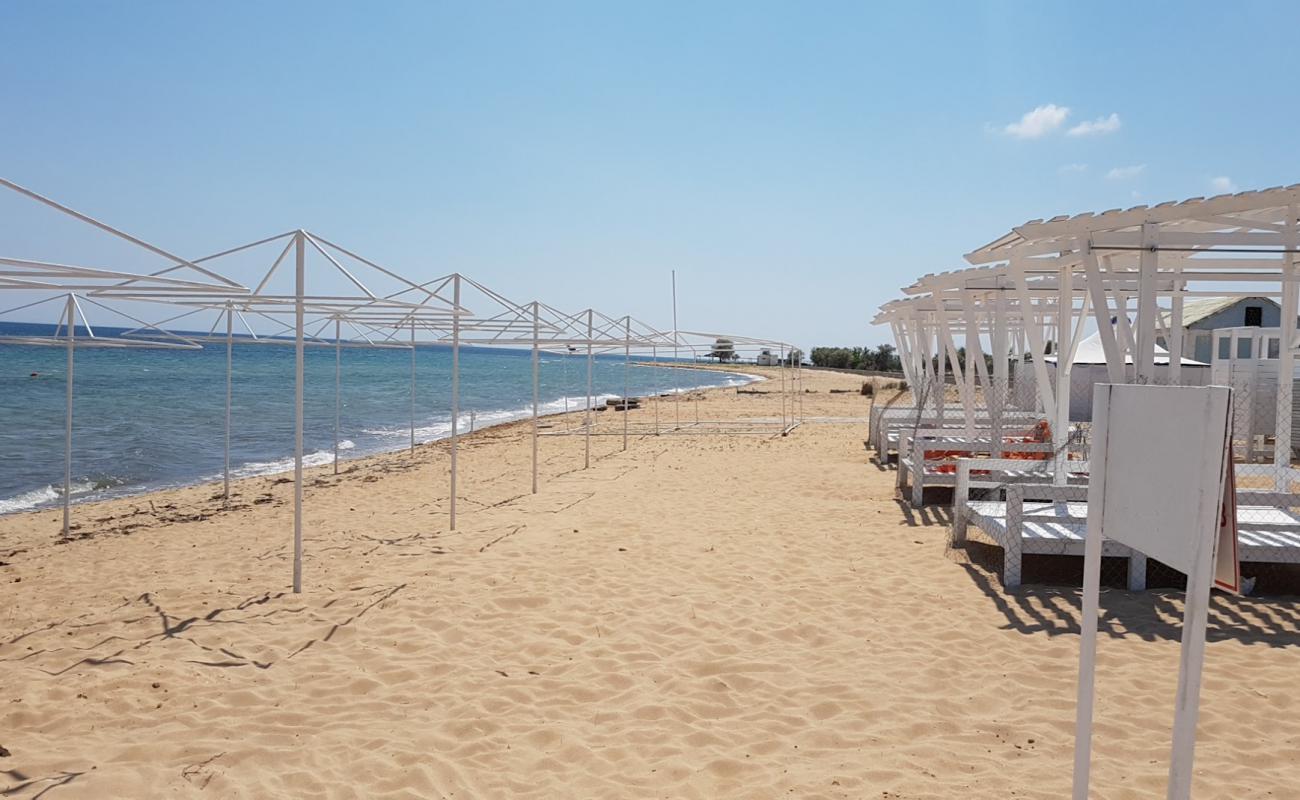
[36, 498]
[441, 429]
[29, 500]
[255, 468]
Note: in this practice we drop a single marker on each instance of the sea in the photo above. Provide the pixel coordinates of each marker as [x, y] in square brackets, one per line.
[146, 419]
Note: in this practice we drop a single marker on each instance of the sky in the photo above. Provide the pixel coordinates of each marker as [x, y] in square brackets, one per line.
[794, 163]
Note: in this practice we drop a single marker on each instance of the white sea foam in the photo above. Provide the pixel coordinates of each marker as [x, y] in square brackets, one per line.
[317, 459]
[484, 419]
[28, 500]
[40, 497]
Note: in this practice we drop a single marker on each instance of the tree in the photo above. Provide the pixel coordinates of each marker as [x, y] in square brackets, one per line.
[794, 357]
[882, 358]
[724, 350]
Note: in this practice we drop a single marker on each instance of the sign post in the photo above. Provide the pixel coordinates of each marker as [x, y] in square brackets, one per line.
[1161, 467]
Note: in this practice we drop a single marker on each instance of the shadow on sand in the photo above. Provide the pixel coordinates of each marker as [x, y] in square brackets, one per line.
[1152, 615]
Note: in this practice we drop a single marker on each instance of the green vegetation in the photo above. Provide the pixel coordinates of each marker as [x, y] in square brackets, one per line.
[882, 358]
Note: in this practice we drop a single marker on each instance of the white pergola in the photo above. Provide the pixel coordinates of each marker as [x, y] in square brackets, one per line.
[504, 323]
[77, 286]
[1126, 273]
[370, 288]
[71, 316]
[376, 305]
[789, 371]
[1239, 245]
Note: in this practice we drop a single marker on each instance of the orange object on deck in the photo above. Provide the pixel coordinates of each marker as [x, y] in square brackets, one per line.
[1041, 433]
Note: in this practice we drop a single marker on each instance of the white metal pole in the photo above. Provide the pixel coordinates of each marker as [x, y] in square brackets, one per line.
[230, 341]
[654, 358]
[695, 400]
[338, 380]
[677, 395]
[627, 361]
[67, 443]
[300, 255]
[797, 358]
[781, 370]
[536, 392]
[455, 392]
[801, 385]
[587, 419]
[412, 385]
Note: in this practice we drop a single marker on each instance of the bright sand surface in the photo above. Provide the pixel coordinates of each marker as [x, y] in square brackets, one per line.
[700, 616]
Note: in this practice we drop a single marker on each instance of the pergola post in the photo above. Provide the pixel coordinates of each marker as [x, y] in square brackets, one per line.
[1174, 342]
[1064, 356]
[900, 343]
[300, 257]
[455, 393]
[1148, 268]
[536, 392]
[1286, 357]
[948, 346]
[230, 341]
[928, 368]
[1034, 332]
[67, 420]
[972, 343]
[1115, 367]
[998, 343]
[587, 417]
[940, 374]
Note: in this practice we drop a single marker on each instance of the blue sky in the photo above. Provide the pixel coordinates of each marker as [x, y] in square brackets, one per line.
[796, 163]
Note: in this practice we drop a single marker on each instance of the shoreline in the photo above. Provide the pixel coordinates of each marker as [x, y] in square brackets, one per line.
[368, 459]
[111, 494]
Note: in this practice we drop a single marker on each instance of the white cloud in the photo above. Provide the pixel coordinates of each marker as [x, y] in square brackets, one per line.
[1072, 169]
[1223, 185]
[1039, 122]
[1125, 173]
[1096, 127]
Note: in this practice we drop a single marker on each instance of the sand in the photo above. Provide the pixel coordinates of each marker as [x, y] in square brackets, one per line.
[719, 616]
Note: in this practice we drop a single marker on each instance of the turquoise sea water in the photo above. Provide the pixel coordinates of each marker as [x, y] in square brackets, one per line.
[147, 418]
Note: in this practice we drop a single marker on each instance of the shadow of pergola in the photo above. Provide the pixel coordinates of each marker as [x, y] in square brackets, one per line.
[1153, 615]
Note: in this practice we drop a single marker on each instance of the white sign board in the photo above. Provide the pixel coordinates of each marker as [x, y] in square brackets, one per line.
[1160, 466]
[1157, 467]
